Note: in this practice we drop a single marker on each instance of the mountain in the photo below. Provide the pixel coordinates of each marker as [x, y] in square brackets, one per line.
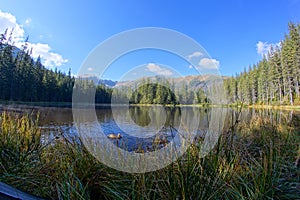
[97, 81]
[108, 83]
[193, 82]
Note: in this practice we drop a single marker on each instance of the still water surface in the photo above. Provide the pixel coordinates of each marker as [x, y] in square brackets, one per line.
[140, 126]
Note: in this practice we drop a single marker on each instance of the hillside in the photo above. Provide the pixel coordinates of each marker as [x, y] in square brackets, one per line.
[193, 82]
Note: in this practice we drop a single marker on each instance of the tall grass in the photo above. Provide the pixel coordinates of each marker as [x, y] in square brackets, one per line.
[252, 161]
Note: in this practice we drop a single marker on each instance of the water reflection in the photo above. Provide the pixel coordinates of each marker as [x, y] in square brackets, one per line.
[196, 120]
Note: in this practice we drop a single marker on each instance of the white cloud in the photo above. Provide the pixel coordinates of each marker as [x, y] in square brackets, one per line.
[151, 67]
[53, 59]
[90, 69]
[49, 58]
[27, 21]
[195, 55]
[8, 21]
[263, 48]
[191, 67]
[209, 63]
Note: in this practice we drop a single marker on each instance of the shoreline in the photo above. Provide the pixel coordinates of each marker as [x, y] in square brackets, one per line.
[275, 107]
[32, 105]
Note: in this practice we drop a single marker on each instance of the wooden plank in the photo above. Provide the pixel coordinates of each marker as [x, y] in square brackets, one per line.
[9, 193]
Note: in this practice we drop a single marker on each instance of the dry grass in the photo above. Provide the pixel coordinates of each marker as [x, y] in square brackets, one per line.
[257, 164]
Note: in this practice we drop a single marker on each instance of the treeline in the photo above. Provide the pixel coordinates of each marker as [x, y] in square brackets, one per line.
[24, 79]
[162, 91]
[152, 93]
[273, 80]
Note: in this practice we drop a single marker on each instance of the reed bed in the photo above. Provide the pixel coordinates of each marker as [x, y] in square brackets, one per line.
[250, 161]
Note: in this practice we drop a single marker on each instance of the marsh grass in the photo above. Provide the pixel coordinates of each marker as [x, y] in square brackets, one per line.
[250, 161]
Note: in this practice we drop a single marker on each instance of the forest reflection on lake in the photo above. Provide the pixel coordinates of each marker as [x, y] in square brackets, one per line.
[59, 121]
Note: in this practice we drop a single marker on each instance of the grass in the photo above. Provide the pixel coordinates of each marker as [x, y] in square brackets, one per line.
[37, 103]
[250, 161]
[277, 107]
[23, 104]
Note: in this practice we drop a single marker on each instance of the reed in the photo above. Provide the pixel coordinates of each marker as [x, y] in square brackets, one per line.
[250, 161]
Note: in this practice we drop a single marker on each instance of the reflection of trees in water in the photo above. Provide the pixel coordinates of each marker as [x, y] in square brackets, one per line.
[62, 119]
[104, 114]
[176, 116]
[141, 115]
[273, 115]
[55, 116]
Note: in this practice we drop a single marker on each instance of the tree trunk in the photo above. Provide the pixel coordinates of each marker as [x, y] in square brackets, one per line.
[297, 86]
[280, 94]
[290, 91]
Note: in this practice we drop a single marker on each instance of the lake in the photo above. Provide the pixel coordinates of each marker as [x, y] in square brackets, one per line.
[141, 127]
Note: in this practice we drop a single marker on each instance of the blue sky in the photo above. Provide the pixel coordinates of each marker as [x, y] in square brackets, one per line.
[234, 33]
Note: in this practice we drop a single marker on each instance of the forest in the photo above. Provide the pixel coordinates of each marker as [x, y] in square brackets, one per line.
[274, 80]
[256, 155]
[24, 79]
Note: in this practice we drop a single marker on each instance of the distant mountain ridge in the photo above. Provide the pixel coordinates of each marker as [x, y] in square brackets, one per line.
[108, 83]
[97, 81]
[194, 82]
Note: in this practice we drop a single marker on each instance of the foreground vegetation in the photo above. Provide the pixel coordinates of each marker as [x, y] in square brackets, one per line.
[257, 163]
